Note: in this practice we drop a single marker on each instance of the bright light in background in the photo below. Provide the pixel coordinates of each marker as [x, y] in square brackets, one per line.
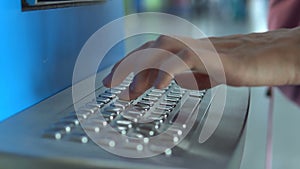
[258, 12]
[153, 4]
[213, 17]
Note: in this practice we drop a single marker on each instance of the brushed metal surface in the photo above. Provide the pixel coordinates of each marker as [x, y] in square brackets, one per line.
[21, 139]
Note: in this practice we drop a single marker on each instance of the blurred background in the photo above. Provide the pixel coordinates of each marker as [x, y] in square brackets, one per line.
[212, 17]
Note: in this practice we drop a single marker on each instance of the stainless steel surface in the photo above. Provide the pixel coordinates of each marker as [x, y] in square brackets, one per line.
[23, 140]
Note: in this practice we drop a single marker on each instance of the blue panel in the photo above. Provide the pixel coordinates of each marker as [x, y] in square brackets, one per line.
[38, 49]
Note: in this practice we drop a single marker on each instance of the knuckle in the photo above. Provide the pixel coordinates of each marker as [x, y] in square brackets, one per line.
[187, 57]
[147, 44]
[162, 40]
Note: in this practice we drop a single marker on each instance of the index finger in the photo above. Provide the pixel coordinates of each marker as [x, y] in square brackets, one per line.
[107, 81]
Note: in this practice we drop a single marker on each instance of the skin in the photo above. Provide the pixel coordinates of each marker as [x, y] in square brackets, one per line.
[257, 59]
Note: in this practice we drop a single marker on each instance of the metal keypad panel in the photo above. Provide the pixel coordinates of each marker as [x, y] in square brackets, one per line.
[149, 125]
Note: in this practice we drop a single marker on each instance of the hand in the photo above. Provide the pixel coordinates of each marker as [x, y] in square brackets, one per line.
[257, 59]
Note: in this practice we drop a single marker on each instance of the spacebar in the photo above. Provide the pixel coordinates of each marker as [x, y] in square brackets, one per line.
[186, 111]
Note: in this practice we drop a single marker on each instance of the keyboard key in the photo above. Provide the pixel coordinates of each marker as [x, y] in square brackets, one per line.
[177, 88]
[154, 94]
[119, 88]
[132, 115]
[71, 119]
[168, 152]
[160, 149]
[88, 110]
[123, 102]
[123, 122]
[127, 80]
[79, 137]
[165, 116]
[92, 128]
[53, 134]
[107, 95]
[158, 91]
[157, 119]
[146, 102]
[125, 84]
[145, 132]
[160, 114]
[141, 107]
[133, 146]
[106, 142]
[110, 115]
[113, 91]
[174, 131]
[136, 110]
[161, 91]
[171, 99]
[198, 94]
[167, 103]
[146, 140]
[164, 108]
[102, 100]
[135, 135]
[82, 116]
[168, 139]
[98, 105]
[174, 95]
[117, 105]
[174, 91]
[132, 118]
[97, 121]
[111, 109]
[148, 98]
[149, 126]
[65, 127]
[122, 129]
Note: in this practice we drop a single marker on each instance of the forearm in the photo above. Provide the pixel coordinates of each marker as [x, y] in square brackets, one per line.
[278, 63]
[271, 58]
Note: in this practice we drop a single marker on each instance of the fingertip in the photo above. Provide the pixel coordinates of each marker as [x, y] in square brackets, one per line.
[129, 94]
[124, 95]
[136, 89]
[113, 80]
[161, 85]
[107, 81]
[163, 80]
[193, 81]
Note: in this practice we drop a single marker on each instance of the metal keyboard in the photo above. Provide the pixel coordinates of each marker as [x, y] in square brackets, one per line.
[150, 125]
[160, 129]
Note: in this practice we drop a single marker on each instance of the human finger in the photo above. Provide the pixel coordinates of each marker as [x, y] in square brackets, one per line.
[142, 82]
[175, 64]
[113, 79]
[203, 81]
